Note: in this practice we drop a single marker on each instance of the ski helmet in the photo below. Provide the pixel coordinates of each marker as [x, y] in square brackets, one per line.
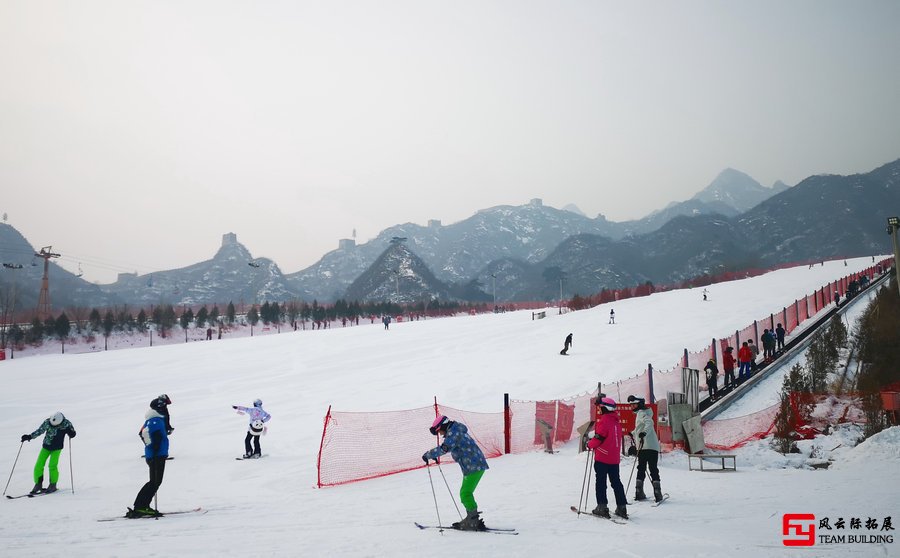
[57, 418]
[440, 422]
[607, 404]
[257, 402]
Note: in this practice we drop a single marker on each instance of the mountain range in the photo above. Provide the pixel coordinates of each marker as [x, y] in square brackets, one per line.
[525, 252]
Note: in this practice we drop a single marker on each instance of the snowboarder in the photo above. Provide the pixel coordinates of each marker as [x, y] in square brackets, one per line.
[612, 316]
[606, 441]
[56, 428]
[567, 344]
[156, 450]
[386, 320]
[712, 378]
[648, 454]
[258, 418]
[463, 449]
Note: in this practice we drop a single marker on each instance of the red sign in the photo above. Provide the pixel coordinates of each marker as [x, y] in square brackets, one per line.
[798, 529]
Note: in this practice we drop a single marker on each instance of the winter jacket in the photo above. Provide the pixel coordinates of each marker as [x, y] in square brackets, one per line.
[711, 371]
[462, 448]
[55, 435]
[745, 354]
[256, 413]
[779, 333]
[607, 441]
[728, 360]
[153, 433]
[643, 423]
[754, 350]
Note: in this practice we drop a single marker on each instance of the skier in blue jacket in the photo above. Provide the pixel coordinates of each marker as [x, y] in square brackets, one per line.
[463, 449]
[156, 449]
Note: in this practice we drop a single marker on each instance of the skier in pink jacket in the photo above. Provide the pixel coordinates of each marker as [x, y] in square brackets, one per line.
[606, 441]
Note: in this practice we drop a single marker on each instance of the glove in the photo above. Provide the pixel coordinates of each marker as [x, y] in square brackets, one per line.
[234, 406]
[425, 458]
[170, 430]
[71, 434]
[26, 437]
[642, 435]
[632, 451]
[591, 434]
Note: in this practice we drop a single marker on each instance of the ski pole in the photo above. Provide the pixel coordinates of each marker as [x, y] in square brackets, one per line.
[13, 467]
[71, 474]
[640, 447]
[434, 495]
[583, 496]
[452, 499]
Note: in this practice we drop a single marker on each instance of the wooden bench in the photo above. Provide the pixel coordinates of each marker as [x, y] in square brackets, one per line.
[703, 456]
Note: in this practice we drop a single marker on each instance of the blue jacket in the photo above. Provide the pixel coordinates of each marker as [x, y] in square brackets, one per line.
[462, 448]
[153, 433]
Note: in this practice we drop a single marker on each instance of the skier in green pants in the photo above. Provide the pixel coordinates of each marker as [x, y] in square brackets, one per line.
[56, 427]
[463, 449]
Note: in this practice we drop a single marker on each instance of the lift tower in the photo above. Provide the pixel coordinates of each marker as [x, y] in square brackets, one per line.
[43, 308]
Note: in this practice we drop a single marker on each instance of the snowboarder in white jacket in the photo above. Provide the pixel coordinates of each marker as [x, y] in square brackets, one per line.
[258, 418]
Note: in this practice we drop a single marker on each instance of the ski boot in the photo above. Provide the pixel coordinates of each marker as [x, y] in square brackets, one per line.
[657, 491]
[248, 455]
[601, 511]
[639, 491]
[142, 512]
[37, 486]
[51, 488]
[471, 522]
[621, 512]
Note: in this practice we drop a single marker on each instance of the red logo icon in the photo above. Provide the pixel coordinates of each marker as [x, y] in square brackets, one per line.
[799, 529]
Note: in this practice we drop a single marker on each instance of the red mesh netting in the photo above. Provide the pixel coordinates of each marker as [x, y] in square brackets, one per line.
[727, 434]
[791, 322]
[699, 359]
[666, 381]
[747, 334]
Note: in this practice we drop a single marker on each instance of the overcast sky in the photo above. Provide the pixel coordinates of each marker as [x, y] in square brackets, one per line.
[134, 134]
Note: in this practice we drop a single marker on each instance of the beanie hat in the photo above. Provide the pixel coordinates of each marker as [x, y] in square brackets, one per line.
[158, 404]
[439, 422]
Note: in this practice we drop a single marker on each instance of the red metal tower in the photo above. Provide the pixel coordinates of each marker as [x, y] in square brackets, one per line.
[43, 308]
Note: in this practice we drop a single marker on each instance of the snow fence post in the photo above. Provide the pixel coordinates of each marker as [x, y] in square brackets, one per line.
[507, 420]
[650, 382]
[321, 444]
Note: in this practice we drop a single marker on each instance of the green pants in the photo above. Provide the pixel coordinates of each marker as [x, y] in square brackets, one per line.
[54, 462]
[467, 491]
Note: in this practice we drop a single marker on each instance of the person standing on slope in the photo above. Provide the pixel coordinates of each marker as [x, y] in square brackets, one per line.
[606, 441]
[463, 449]
[745, 358]
[648, 454]
[728, 363]
[156, 450]
[56, 428]
[258, 419]
[712, 379]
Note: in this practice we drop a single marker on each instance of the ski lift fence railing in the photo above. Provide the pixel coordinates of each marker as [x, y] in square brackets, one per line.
[402, 436]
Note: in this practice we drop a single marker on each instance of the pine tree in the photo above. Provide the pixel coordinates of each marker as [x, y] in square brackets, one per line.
[230, 313]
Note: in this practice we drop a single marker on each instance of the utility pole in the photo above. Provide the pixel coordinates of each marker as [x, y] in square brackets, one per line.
[43, 308]
[893, 225]
[562, 277]
[494, 286]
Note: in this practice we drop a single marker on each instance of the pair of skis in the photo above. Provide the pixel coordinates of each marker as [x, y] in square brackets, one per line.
[199, 511]
[494, 530]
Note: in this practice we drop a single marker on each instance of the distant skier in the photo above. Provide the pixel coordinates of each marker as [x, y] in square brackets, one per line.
[56, 428]
[606, 441]
[156, 450]
[612, 316]
[386, 320]
[648, 454]
[567, 344]
[258, 419]
[704, 295]
[463, 449]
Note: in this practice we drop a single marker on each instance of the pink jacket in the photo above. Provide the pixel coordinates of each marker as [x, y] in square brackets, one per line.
[607, 441]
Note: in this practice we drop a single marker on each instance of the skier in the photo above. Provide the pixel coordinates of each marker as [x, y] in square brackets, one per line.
[463, 449]
[612, 316]
[649, 453]
[56, 427]
[567, 344]
[606, 441]
[712, 378]
[156, 450]
[258, 418]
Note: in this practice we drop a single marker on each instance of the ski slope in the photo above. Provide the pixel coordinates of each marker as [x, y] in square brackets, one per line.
[271, 508]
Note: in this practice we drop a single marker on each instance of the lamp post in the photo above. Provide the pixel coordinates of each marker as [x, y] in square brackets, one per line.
[561, 279]
[893, 225]
[494, 287]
